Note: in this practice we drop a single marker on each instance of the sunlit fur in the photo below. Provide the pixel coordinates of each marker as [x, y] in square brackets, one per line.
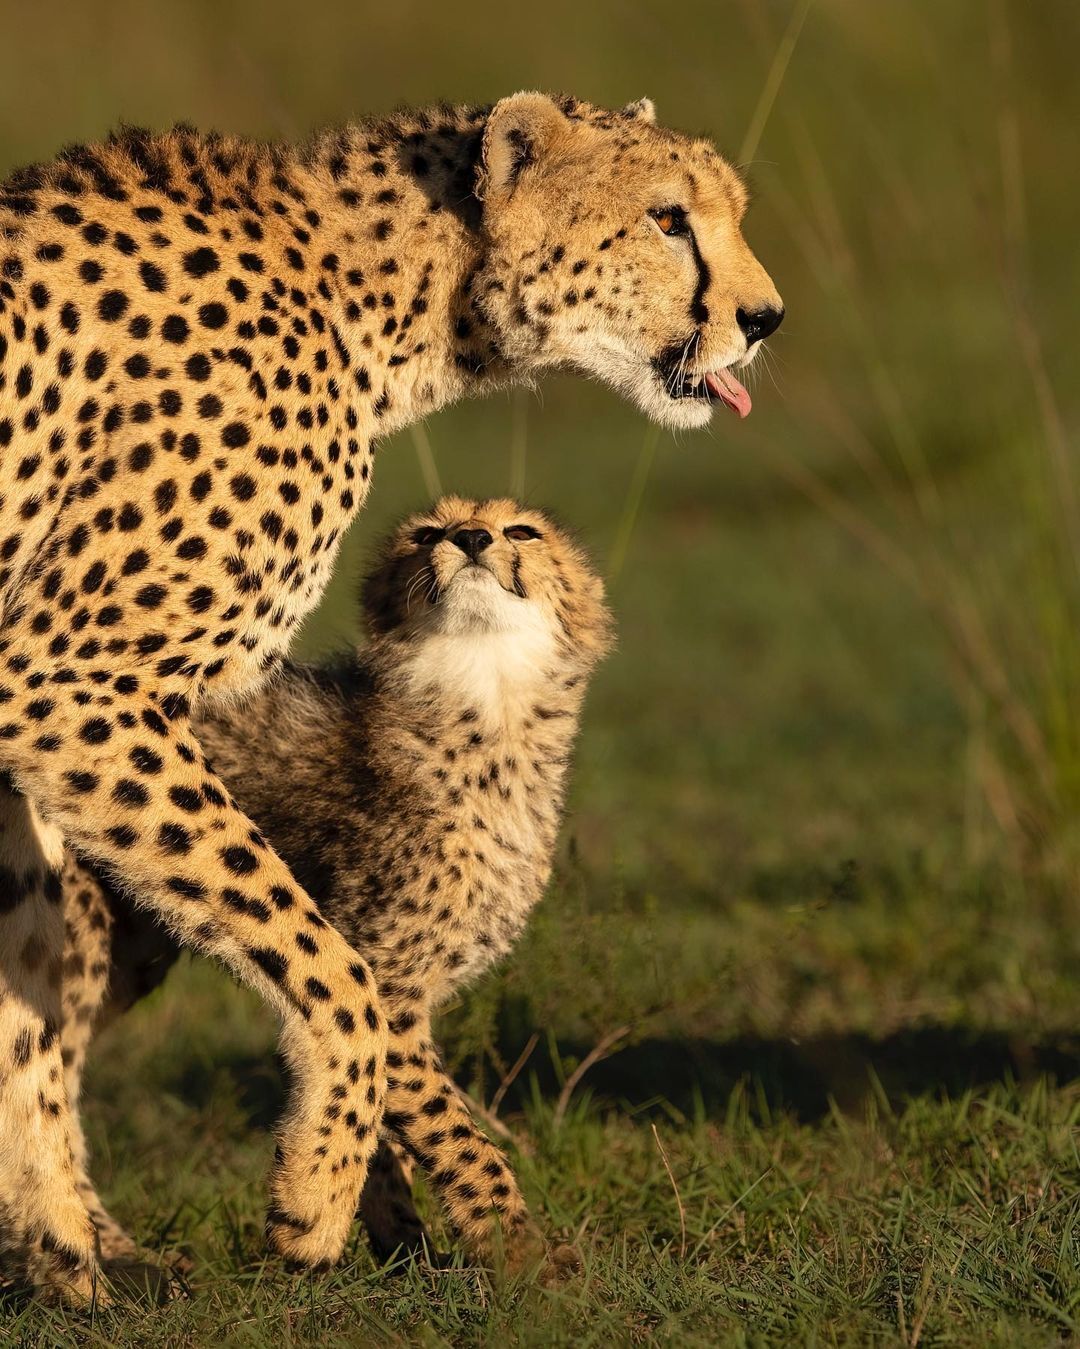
[202, 339]
[579, 273]
[417, 789]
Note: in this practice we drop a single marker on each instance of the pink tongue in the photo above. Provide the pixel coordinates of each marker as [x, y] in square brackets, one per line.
[723, 385]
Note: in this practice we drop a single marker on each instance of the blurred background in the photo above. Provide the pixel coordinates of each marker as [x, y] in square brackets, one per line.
[828, 784]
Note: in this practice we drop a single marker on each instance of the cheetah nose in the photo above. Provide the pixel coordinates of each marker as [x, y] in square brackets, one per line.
[472, 542]
[758, 323]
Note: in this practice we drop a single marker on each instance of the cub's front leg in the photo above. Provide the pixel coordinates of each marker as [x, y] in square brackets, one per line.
[471, 1177]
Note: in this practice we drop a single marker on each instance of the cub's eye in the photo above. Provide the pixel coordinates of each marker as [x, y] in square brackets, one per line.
[519, 533]
[671, 220]
[426, 535]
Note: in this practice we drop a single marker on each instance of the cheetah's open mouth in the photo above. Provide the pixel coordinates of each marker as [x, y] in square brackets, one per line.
[715, 386]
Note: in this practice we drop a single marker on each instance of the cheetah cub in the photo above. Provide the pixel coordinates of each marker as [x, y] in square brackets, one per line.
[416, 792]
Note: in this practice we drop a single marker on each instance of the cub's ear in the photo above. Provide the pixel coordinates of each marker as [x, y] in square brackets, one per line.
[521, 131]
[641, 111]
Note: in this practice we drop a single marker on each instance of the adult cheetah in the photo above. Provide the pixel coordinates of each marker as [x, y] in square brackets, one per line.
[200, 340]
[416, 789]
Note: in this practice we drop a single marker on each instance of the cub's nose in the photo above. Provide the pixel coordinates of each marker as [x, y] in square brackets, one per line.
[472, 542]
[758, 323]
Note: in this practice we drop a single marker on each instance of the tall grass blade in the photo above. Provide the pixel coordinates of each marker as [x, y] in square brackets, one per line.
[425, 456]
[773, 80]
[519, 424]
[632, 505]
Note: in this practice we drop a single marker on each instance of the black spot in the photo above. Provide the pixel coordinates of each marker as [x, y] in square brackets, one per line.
[112, 306]
[240, 861]
[129, 793]
[135, 562]
[153, 722]
[165, 495]
[213, 315]
[186, 798]
[192, 549]
[185, 887]
[153, 278]
[68, 214]
[151, 596]
[201, 262]
[145, 760]
[95, 731]
[174, 838]
[197, 367]
[272, 963]
[175, 705]
[95, 365]
[175, 329]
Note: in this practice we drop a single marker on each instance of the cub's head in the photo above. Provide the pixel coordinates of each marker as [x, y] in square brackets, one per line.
[615, 246]
[471, 568]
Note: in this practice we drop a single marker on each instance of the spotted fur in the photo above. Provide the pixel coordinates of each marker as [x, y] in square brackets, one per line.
[201, 341]
[416, 791]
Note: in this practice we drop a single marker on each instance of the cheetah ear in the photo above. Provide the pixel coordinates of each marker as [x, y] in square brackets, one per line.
[521, 131]
[642, 110]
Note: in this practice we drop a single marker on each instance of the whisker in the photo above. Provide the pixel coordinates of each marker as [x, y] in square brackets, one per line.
[417, 581]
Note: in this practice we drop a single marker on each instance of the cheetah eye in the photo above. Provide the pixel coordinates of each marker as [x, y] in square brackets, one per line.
[519, 533]
[427, 535]
[671, 220]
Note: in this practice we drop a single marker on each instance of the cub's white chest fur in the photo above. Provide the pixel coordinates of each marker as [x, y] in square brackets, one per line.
[487, 652]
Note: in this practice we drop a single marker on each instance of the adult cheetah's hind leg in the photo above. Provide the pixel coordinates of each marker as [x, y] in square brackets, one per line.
[387, 1210]
[46, 1234]
[88, 939]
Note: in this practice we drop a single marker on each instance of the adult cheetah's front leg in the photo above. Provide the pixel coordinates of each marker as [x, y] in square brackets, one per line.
[150, 809]
[387, 1210]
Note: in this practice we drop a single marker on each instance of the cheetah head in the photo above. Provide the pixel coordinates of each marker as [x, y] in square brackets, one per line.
[469, 568]
[614, 246]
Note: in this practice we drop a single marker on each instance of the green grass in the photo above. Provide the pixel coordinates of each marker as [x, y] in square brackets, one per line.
[820, 868]
[942, 1221]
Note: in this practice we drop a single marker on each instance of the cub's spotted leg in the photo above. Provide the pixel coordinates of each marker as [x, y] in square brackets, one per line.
[46, 1234]
[88, 940]
[468, 1173]
[387, 1211]
[148, 807]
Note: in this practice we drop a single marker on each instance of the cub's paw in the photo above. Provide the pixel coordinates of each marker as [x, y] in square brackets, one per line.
[526, 1252]
[135, 1280]
[562, 1262]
